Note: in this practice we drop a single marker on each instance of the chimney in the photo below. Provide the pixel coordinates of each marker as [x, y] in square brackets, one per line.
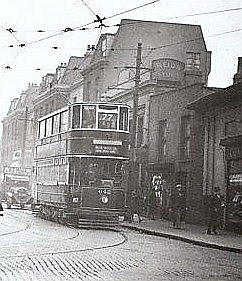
[238, 75]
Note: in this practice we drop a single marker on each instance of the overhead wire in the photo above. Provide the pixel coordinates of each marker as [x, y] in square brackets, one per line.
[11, 31]
[205, 13]
[88, 7]
[89, 23]
[153, 48]
[170, 18]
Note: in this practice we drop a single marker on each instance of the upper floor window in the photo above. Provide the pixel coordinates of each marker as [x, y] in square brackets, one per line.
[185, 137]
[193, 60]
[162, 132]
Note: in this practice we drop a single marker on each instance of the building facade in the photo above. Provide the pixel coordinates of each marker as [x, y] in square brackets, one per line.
[173, 56]
[112, 67]
[219, 117]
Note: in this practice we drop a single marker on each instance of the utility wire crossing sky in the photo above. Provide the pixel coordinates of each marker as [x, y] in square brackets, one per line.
[36, 36]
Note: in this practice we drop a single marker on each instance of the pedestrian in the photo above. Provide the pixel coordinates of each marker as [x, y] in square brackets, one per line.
[151, 204]
[214, 211]
[178, 206]
[135, 207]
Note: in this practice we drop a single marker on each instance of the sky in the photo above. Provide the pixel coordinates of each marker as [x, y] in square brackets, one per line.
[222, 32]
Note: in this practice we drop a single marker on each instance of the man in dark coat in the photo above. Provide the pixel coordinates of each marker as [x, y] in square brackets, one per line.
[178, 206]
[214, 211]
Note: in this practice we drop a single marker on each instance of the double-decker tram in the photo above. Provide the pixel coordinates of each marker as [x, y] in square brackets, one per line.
[81, 160]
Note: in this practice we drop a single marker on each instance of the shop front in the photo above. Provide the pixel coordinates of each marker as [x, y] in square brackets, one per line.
[233, 158]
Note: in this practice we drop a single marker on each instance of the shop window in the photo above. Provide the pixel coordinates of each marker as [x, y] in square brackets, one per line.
[162, 132]
[185, 137]
[193, 61]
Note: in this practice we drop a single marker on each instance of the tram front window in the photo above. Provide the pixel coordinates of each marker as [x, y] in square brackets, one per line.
[107, 121]
[101, 172]
[88, 116]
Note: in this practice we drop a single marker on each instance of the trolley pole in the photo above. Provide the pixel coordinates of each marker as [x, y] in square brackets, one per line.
[132, 182]
[135, 106]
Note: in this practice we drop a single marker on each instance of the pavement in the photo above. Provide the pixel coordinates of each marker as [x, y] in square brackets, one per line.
[193, 234]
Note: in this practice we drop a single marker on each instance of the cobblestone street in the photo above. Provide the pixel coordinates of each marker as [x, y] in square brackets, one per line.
[34, 249]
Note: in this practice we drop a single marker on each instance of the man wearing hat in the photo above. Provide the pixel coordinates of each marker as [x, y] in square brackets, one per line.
[214, 211]
[178, 205]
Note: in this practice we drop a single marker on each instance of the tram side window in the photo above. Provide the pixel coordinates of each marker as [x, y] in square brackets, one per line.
[88, 116]
[64, 121]
[56, 124]
[42, 130]
[76, 117]
[123, 121]
[49, 126]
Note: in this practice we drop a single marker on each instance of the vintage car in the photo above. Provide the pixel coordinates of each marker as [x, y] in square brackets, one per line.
[18, 196]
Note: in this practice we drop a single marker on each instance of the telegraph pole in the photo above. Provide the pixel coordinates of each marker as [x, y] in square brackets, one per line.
[135, 105]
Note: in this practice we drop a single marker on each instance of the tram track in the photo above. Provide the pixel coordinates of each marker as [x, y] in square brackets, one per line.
[51, 253]
[77, 230]
[15, 231]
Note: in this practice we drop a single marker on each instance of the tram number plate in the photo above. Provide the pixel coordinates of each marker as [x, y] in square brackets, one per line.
[104, 191]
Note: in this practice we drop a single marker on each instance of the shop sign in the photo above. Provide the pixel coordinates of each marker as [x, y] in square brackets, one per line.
[17, 171]
[167, 69]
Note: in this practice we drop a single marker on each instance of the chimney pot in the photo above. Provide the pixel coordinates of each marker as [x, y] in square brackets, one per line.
[238, 75]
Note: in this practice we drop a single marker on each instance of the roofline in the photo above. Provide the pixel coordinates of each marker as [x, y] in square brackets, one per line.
[163, 22]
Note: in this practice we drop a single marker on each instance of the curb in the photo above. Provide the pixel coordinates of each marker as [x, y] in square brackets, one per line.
[184, 239]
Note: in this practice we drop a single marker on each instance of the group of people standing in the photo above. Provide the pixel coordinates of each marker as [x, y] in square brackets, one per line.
[177, 207]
